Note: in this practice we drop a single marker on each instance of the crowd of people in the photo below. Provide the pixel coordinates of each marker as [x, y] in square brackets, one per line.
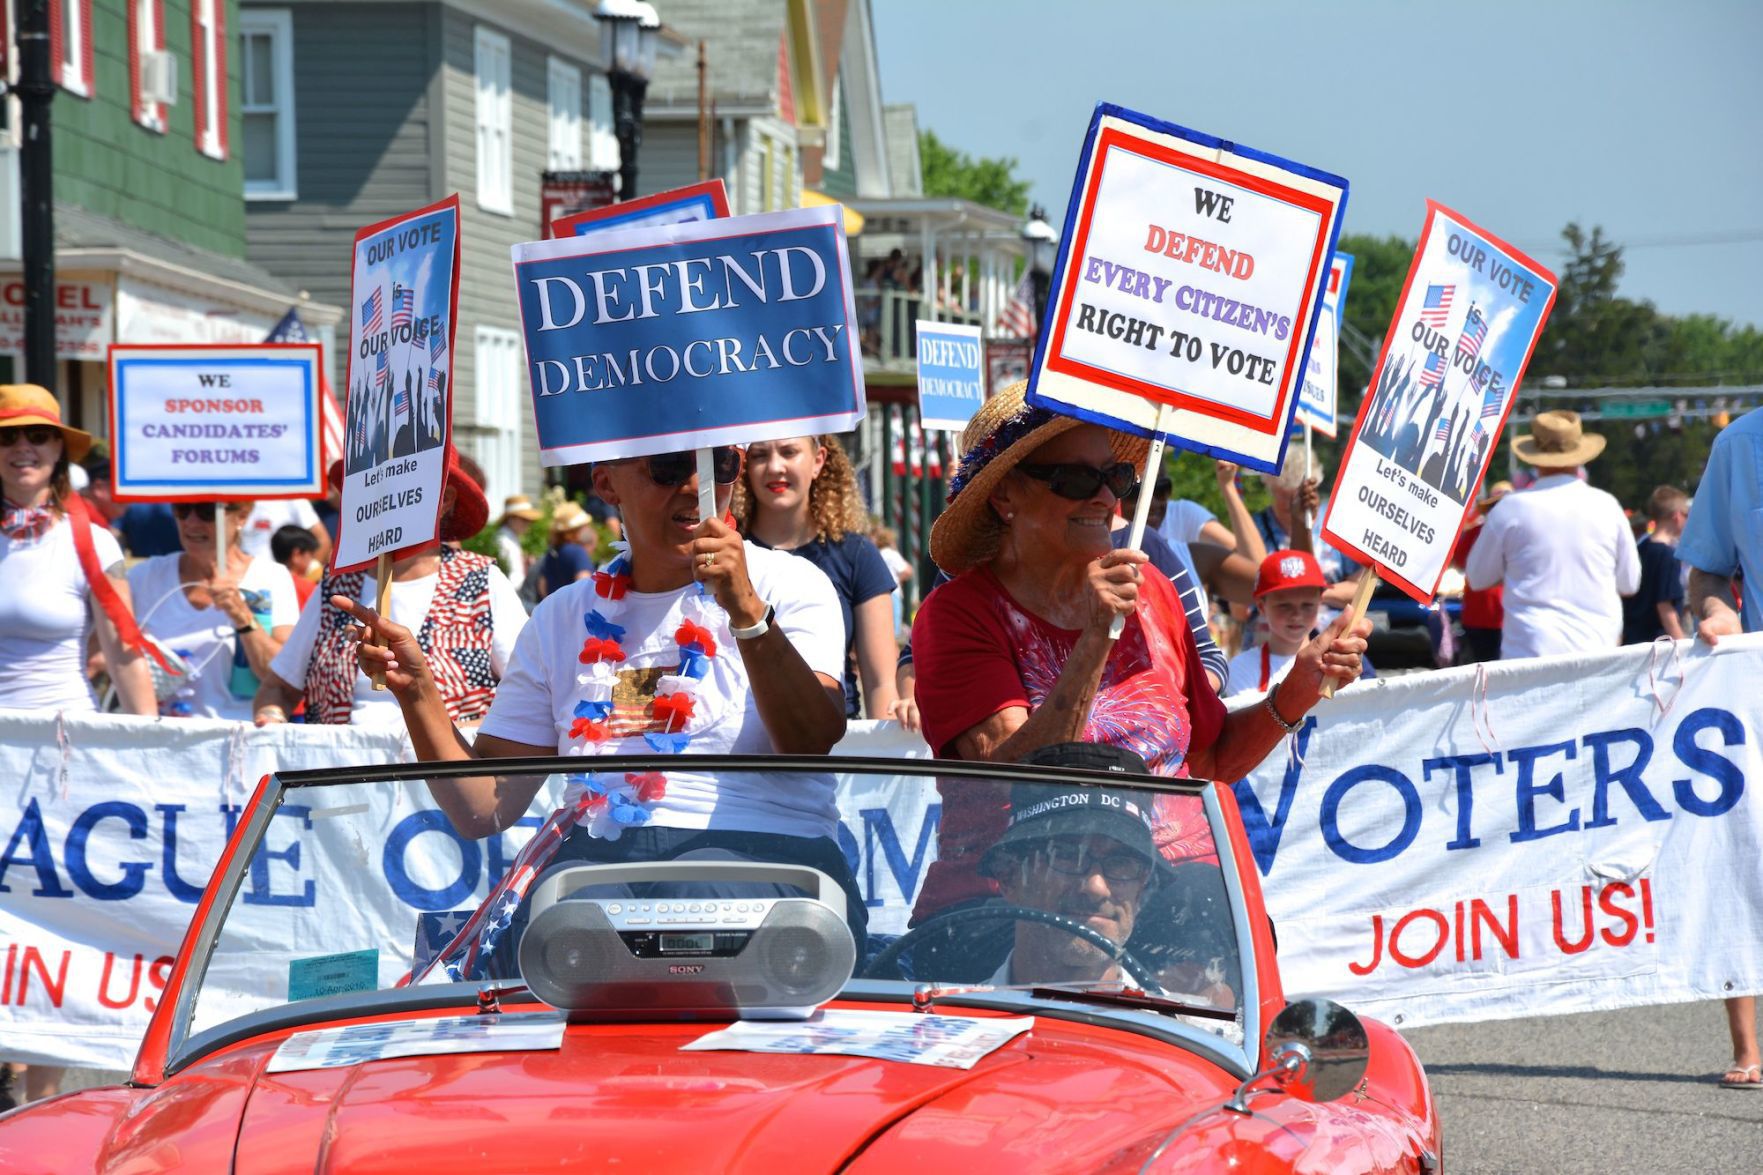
[767, 625]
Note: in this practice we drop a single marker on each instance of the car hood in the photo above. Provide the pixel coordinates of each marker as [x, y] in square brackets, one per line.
[625, 1097]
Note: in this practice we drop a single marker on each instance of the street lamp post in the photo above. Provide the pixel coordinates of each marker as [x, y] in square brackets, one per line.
[1043, 243]
[630, 28]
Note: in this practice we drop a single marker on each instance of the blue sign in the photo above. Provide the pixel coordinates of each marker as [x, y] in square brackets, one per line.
[686, 336]
[951, 374]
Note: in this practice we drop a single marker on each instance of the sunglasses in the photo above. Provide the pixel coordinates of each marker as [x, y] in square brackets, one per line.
[36, 434]
[1070, 858]
[676, 469]
[202, 510]
[1080, 482]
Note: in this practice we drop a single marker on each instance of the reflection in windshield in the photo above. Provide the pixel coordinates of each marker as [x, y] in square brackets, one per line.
[367, 886]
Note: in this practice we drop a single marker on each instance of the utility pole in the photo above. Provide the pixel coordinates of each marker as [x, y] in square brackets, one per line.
[36, 89]
[703, 113]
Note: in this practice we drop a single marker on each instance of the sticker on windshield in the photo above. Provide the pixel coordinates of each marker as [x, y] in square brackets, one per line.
[953, 1042]
[333, 974]
[333, 1048]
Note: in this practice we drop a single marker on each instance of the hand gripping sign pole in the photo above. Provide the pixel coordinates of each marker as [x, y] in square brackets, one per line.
[1142, 510]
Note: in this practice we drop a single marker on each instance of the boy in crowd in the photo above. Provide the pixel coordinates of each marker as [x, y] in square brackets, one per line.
[1288, 591]
[296, 548]
[1653, 611]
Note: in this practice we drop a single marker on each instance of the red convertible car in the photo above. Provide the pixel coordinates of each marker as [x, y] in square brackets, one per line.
[940, 967]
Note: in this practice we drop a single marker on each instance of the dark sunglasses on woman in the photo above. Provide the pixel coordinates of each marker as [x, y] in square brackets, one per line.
[676, 469]
[202, 510]
[1080, 482]
[36, 434]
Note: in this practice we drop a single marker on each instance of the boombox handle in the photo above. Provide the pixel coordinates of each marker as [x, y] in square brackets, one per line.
[822, 888]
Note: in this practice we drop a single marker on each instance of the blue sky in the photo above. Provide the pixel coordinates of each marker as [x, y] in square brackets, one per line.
[1645, 118]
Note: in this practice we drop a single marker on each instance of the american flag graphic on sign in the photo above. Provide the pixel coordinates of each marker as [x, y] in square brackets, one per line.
[1490, 403]
[401, 403]
[1436, 308]
[1475, 332]
[1018, 316]
[371, 311]
[382, 372]
[434, 380]
[1433, 374]
[1444, 428]
[403, 306]
[437, 346]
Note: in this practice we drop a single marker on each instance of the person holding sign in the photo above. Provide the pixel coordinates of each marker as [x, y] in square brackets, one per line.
[800, 496]
[60, 572]
[227, 623]
[1015, 652]
[691, 642]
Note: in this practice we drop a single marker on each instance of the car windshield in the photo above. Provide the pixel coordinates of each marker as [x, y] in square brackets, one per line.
[1025, 880]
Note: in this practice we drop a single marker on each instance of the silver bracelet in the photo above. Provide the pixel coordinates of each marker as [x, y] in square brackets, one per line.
[1267, 703]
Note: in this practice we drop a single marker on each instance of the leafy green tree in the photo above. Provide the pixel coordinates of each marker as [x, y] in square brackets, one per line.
[991, 182]
[1380, 266]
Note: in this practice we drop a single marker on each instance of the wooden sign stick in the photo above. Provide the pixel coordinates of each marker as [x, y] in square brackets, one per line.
[382, 601]
[1361, 598]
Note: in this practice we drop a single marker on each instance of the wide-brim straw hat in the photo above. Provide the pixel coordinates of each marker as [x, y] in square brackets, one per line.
[1001, 434]
[1557, 441]
[520, 506]
[26, 404]
[1495, 492]
[569, 518]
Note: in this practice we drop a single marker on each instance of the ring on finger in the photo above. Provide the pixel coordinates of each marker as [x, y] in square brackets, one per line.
[710, 559]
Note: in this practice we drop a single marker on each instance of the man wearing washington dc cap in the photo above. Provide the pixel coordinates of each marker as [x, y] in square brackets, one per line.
[1561, 548]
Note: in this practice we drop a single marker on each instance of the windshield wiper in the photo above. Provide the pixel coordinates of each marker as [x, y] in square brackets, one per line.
[1106, 991]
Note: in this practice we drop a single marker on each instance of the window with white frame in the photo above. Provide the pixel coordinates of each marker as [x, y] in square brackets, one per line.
[563, 85]
[495, 122]
[266, 102]
[70, 45]
[498, 410]
[208, 75]
[149, 74]
[836, 116]
[602, 135]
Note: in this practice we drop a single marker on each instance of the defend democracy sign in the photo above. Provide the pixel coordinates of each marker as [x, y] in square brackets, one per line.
[214, 422]
[1190, 276]
[403, 305]
[1464, 330]
[1581, 837]
[951, 374]
[694, 202]
[1319, 393]
[686, 336]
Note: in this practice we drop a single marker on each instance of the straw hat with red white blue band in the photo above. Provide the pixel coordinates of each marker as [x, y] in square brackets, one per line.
[1002, 434]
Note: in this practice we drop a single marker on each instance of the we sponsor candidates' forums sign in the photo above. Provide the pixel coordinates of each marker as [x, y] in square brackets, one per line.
[1189, 279]
[215, 423]
[684, 336]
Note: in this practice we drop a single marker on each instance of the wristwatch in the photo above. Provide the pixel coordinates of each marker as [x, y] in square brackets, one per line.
[244, 629]
[757, 630]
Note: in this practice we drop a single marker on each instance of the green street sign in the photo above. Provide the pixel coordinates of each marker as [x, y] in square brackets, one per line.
[1634, 409]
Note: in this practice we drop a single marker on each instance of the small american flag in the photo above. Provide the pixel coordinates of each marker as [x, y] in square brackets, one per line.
[1433, 374]
[1017, 319]
[1490, 403]
[437, 346]
[403, 305]
[434, 380]
[371, 310]
[1475, 331]
[1478, 434]
[382, 373]
[401, 403]
[291, 330]
[1444, 429]
[1437, 306]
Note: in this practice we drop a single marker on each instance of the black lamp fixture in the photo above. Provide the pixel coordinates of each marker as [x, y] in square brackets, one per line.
[1043, 245]
[630, 29]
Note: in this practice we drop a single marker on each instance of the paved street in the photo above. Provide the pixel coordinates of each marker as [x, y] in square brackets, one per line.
[1599, 1092]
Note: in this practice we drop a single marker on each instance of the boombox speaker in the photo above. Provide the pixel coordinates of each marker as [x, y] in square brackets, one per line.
[670, 951]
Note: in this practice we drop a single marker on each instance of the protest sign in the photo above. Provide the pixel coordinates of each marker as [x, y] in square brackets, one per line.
[1187, 288]
[1318, 397]
[399, 419]
[215, 423]
[687, 336]
[951, 374]
[1464, 330]
[1007, 360]
[687, 205]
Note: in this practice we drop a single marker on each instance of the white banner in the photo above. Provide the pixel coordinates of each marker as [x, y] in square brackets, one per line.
[1559, 836]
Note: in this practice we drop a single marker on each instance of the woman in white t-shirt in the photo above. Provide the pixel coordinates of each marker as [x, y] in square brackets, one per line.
[271, 515]
[465, 611]
[693, 642]
[227, 624]
[51, 595]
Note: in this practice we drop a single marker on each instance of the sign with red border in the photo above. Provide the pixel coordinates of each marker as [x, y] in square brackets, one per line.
[398, 419]
[1189, 280]
[215, 422]
[701, 201]
[1464, 331]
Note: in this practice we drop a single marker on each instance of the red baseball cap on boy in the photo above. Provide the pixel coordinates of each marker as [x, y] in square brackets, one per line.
[1288, 569]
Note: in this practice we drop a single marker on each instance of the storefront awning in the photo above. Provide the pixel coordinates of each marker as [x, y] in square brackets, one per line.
[853, 218]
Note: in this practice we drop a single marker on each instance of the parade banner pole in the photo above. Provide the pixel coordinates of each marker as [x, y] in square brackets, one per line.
[1361, 598]
[706, 485]
[1142, 511]
[220, 538]
[382, 600]
[1309, 468]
